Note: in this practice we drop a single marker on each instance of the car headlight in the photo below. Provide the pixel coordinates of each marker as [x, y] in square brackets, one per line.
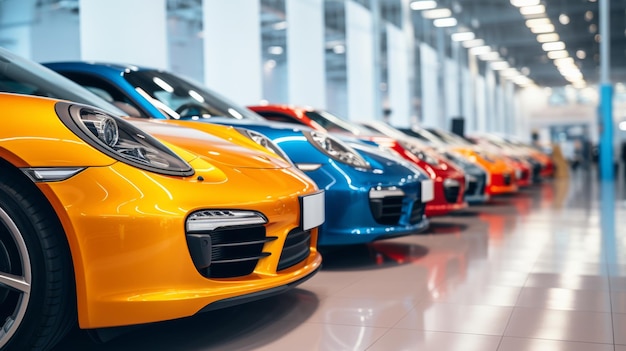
[421, 154]
[265, 142]
[120, 140]
[336, 149]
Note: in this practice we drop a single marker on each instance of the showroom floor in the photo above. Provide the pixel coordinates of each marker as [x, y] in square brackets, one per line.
[540, 270]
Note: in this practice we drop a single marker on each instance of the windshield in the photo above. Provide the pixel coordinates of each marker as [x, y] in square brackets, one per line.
[449, 137]
[180, 98]
[21, 76]
[333, 123]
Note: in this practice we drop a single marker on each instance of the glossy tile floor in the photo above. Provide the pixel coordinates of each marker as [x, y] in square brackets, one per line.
[544, 269]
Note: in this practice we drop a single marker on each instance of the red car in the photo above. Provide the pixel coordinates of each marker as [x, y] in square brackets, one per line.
[449, 180]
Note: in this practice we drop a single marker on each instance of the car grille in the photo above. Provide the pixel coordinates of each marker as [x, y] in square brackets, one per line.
[232, 252]
[297, 248]
[387, 210]
[451, 193]
[506, 179]
[417, 212]
[476, 187]
[537, 172]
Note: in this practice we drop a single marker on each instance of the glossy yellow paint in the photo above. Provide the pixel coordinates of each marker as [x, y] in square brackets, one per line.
[126, 226]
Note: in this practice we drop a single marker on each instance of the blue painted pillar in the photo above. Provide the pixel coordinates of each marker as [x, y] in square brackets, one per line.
[606, 95]
[606, 138]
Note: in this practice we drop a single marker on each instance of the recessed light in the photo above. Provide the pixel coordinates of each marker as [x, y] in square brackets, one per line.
[437, 13]
[462, 36]
[564, 19]
[445, 22]
[423, 5]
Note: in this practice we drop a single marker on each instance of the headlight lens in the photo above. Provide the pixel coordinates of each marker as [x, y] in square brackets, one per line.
[336, 149]
[120, 140]
[421, 154]
[265, 142]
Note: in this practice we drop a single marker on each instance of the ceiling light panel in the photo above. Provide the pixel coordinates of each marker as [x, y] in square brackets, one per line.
[532, 10]
[553, 46]
[445, 22]
[521, 3]
[462, 36]
[423, 5]
[437, 13]
[544, 38]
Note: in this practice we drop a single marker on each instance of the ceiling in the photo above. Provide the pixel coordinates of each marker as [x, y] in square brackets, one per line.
[500, 25]
[497, 22]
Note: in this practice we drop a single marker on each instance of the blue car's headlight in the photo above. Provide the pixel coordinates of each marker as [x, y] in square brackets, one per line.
[336, 149]
[120, 140]
[265, 142]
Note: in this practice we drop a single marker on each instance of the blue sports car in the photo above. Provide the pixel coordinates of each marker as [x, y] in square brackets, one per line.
[370, 195]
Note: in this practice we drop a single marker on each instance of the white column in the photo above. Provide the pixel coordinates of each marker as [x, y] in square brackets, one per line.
[16, 19]
[126, 31]
[305, 53]
[430, 86]
[451, 87]
[491, 119]
[360, 63]
[232, 49]
[56, 33]
[398, 73]
[481, 104]
[469, 101]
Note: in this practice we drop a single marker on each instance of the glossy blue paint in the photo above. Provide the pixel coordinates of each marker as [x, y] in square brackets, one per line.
[349, 214]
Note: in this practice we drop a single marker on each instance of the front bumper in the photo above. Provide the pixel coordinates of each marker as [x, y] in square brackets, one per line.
[449, 196]
[126, 230]
[502, 183]
[361, 208]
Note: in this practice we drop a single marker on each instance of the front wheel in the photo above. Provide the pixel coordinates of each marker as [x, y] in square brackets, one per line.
[37, 298]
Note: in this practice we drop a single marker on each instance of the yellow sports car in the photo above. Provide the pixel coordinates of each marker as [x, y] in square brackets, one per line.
[101, 222]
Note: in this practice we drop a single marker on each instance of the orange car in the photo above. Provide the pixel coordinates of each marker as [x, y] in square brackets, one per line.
[102, 223]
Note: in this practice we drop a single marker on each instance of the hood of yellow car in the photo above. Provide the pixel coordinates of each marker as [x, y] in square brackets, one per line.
[217, 145]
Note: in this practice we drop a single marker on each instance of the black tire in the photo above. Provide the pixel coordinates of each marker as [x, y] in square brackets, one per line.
[38, 307]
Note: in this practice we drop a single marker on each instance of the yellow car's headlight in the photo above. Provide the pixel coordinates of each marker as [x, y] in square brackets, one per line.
[120, 140]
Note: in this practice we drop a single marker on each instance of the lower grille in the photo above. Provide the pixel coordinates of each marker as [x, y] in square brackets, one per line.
[451, 193]
[297, 248]
[417, 212]
[506, 178]
[387, 210]
[228, 252]
[477, 186]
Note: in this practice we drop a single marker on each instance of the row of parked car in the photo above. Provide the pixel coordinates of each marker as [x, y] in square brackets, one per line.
[191, 203]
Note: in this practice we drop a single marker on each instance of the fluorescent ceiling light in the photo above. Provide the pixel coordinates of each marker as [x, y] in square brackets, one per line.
[509, 72]
[423, 5]
[480, 50]
[546, 28]
[339, 49]
[490, 56]
[568, 61]
[437, 13]
[544, 38]
[473, 43]
[275, 50]
[462, 36]
[558, 54]
[282, 25]
[622, 125]
[521, 80]
[445, 22]
[532, 10]
[537, 22]
[520, 3]
[553, 46]
[499, 65]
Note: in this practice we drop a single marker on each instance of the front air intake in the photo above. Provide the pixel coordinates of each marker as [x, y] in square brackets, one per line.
[226, 244]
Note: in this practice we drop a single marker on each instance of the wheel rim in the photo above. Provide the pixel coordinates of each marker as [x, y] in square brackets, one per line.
[15, 277]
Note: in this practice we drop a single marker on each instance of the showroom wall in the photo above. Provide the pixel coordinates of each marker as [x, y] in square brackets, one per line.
[338, 55]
